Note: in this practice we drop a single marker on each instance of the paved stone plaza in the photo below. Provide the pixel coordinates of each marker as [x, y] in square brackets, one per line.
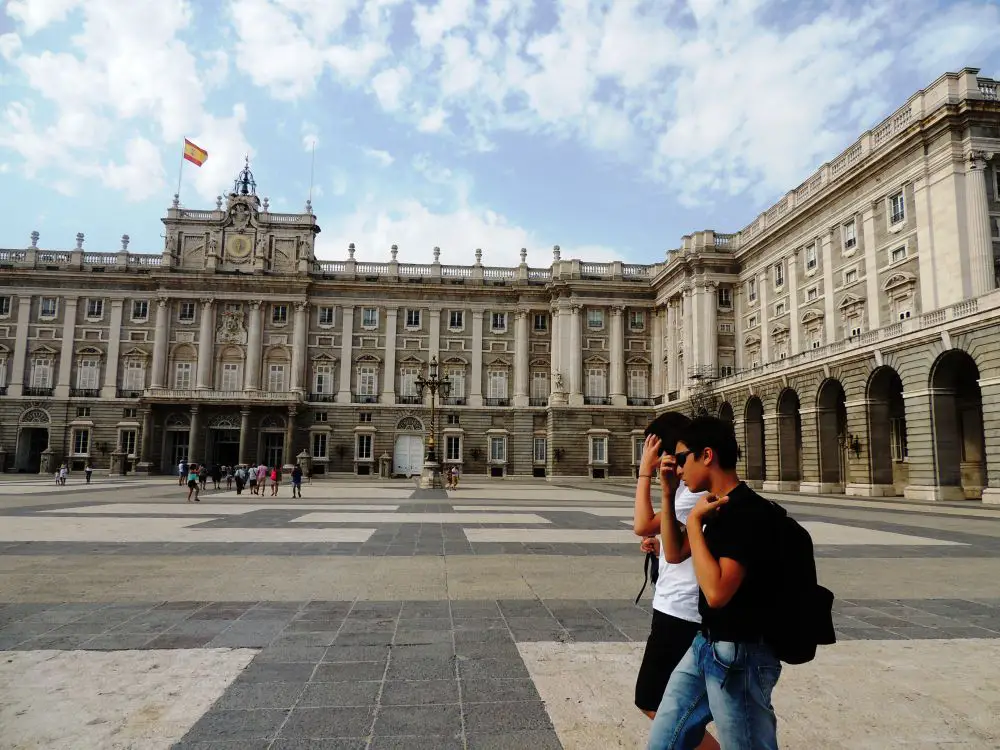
[500, 616]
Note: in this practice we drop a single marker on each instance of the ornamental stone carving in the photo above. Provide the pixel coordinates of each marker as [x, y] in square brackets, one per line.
[231, 329]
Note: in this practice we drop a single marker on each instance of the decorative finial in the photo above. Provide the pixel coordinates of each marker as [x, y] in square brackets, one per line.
[267, 203]
[34, 238]
[394, 250]
[479, 257]
[350, 251]
[177, 201]
[556, 254]
[309, 206]
[218, 203]
[125, 239]
[524, 255]
[245, 184]
[79, 240]
[437, 255]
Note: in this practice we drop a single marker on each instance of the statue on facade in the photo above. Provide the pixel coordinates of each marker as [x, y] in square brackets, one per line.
[558, 380]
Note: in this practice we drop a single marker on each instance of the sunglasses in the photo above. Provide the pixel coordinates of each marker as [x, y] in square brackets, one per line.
[682, 456]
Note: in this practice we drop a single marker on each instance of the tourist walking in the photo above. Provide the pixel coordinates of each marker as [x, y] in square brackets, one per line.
[202, 476]
[182, 472]
[275, 480]
[87, 471]
[261, 479]
[455, 474]
[193, 483]
[63, 474]
[297, 481]
[240, 475]
[675, 588]
[228, 472]
[252, 478]
[216, 476]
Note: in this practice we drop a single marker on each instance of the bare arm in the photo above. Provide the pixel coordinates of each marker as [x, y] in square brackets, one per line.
[718, 579]
[672, 533]
[644, 521]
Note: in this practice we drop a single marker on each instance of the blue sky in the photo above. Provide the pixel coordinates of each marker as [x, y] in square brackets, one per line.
[608, 127]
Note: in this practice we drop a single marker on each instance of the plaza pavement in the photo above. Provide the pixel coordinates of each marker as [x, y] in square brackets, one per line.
[374, 615]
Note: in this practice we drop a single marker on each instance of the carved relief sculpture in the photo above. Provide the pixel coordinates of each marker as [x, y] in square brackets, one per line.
[231, 329]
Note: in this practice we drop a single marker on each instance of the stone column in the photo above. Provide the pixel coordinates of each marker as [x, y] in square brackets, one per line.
[346, 356]
[16, 378]
[110, 387]
[687, 321]
[810, 478]
[772, 471]
[575, 358]
[656, 332]
[922, 483]
[193, 437]
[289, 452]
[980, 243]
[244, 434]
[739, 360]
[763, 314]
[990, 390]
[792, 269]
[617, 380]
[389, 373]
[157, 378]
[206, 339]
[255, 344]
[671, 346]
[300, 346]
[145, 441]
[859, 468]
[521, 358]
[555, 347]
[710, 332]
[66, 355]
[873, 305]
[476, 386]
[434, 345]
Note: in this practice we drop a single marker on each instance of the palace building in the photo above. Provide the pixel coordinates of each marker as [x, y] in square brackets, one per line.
[851, 333]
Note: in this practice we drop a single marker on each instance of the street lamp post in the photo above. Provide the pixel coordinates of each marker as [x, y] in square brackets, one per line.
[430, 476]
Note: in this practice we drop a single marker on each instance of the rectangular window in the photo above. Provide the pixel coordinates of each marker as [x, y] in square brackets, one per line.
[595, 318]
[182, 375]
[81, 441]
[897, 208]
[855, 331]
[326, 316]
[456, 320]
[898, 254]
[725, 371]
[638, 446]
[369, 317]
[598, 450]
[453, 448]
[596, 383]
[779, 308]
[365, 417]
[816, 343]
[752, 322]
[812, 293]
[849, 231]
[498, 322]
[4, 307]
[636, 320]
[95, 308]
[413, 318]
[897, 438]
[811, 257]
[539, 450]
[322, 379]
[498, 449]
[187, 311]
[541, 322]
[725, 297]
[408, 381]
[127, 440]
[638, 383]
[279, 314]
[83, 411]
[86, 374]
[129, 413]
[725, 327]
[231, 377]
[850, 276]
[320, 416]
[140, 310]
[366, 381]
[276, 378]
[364, 448]
[752, 290]
[319, 445]
[456, 376]
[135, 376]
[779, 274]
[47, 307]
[539, 385]
[452, 419]
[497, 383]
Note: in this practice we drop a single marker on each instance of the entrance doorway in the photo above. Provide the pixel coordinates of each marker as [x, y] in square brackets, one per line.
[957, 410]
[754, 443]
[274, 448]
[224, 447]
[177, 448]
[408, 456]
[832, 427]
[31, 441]
[887, 430]
[789, 437]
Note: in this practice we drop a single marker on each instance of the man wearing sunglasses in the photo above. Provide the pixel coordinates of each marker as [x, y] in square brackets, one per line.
[729, 672]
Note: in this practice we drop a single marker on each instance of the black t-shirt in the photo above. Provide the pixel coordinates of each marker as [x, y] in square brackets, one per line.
[740, 530]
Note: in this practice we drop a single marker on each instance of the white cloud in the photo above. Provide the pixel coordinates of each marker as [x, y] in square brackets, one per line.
[310, 136]
[141, 175]
[10, 46]
[35, 15]
[389, 85]
[383, 158]
[432, 122]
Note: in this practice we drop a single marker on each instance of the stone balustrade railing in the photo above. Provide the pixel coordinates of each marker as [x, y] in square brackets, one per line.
[200, 394]
[76, 259]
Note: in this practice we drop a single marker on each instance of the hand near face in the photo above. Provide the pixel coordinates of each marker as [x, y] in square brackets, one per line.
[650, 455]
[668, 473]
[706, 505]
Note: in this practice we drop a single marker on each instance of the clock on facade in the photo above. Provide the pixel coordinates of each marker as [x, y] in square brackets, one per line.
[238, 247]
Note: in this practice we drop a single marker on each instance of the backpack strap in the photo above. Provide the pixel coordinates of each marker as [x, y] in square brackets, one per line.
[650, 572]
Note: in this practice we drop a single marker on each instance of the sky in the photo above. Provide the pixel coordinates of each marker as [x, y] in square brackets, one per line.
[609, 127]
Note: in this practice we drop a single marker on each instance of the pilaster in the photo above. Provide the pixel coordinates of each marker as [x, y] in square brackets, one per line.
[193, 434]
[476, 389]
[576, 358]
[990, 391]
[794, 333]
[656, 340]
[16, 379]
[389, 373]
[763, 314]
[346, 355]
[110, 387]
[244, 434]
[829, 308]
[66, 355]
[206, 340]
[254, 346]
[157, 377]
[617, 379]
[300, 346]
[710, 334]
[873, 306]
[521, 358]
[980, 242]
[434, 345]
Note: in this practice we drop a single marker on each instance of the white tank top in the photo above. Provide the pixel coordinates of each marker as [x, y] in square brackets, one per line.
[676, 591]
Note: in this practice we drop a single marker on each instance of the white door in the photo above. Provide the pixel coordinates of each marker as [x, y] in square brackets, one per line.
[408, 457]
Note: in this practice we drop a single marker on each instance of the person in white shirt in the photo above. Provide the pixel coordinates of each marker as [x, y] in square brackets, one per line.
[675, 595]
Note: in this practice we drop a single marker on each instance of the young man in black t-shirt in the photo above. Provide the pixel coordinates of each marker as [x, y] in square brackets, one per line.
[728, 674]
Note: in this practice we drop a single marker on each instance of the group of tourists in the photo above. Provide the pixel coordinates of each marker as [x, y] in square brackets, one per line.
[253, 476]
[62, 474]
[735, 592]
[451, 476]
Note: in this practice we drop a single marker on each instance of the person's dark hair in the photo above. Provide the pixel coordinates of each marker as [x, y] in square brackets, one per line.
[714, 433]
[668, 427]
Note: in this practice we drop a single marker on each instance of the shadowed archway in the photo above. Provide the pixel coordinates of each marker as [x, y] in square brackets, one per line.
[789, 437]
[753, 445]
[957, 417]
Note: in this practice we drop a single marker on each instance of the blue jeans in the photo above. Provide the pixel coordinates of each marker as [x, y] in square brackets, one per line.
[725, 681]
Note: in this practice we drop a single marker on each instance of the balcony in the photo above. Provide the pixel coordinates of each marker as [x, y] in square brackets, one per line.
[38, 391]
[411, 400]
[538, 401]
[199, 395]
[596, 400]
[123, 393]
[358, 398]
[322, 398]
[639, 401]
[453, 401]
[85, 392]
[496, 401]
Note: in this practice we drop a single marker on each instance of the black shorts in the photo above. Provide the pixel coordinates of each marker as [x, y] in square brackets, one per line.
[192, 484]
[669, 639]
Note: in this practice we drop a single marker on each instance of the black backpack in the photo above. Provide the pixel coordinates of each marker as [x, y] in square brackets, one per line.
[800, 617]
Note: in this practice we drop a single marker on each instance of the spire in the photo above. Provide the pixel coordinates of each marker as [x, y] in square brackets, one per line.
[245, 184]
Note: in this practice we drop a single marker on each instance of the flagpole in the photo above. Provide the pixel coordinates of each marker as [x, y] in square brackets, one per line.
[312, 171]
[180, 174]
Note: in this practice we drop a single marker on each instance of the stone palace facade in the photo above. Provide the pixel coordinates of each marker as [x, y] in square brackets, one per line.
[851, 333]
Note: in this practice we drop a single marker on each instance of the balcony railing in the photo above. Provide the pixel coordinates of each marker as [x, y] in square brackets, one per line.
[199, 394]
[497, 401]
[37, 391]
[322, 398]
[357, 398]
[596, 400]
[639, 401]
[85, 392]
[538, 401]
[124, 393]
[412, 400]
[454, 401]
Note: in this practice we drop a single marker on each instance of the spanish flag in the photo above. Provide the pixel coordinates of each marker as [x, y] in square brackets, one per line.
[194, 154]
